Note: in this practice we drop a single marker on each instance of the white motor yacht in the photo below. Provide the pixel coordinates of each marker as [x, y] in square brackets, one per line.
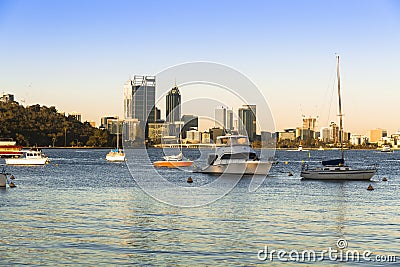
[233, 155]
[31, 157]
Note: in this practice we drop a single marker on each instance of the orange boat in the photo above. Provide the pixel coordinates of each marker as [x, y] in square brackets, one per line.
[172, 164]
[9, 149]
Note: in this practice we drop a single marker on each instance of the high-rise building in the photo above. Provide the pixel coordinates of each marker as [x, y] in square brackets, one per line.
[76, 115]
[334, 133]
[310, 123]
[220, 117]
[215, 132]
[308, 130]
[158, 114]
[104, 121]
[247, 121]
[229, 120]
[375, 135]
[173, 105]
[325, 135]
[139, 101]
[190, 122]
[7, 98]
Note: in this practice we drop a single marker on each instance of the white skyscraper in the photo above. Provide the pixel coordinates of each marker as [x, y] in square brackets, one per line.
[139, 101]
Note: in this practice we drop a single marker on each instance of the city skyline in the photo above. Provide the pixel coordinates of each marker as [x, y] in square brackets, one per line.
[286, 48]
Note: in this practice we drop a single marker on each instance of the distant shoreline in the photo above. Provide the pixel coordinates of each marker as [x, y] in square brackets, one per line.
[67, 147]
[281, 149]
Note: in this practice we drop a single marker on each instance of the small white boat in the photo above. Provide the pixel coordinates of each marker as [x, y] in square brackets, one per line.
[174, 157]
[174, 161]
[386, 148]
[30, 158]
[300, 148]
[234, 155]
[115, 155]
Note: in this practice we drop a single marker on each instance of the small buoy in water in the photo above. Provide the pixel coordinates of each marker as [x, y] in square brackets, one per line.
[370, 187]
[290, 174]
[12, 177]
[56, 164]
[384, 179]
[12, 184]
[190, 180]
[286, 162]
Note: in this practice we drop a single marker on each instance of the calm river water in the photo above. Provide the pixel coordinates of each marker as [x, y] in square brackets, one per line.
[82, 210]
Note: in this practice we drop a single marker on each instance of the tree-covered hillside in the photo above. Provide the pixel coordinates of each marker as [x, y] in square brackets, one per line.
[43, 126]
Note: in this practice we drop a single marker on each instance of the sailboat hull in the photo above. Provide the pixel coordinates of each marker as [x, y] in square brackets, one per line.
[353, 175]
[115, 157]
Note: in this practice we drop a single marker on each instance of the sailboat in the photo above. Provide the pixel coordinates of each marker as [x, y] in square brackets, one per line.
[174, 161]
[336, 169]
[116, 155]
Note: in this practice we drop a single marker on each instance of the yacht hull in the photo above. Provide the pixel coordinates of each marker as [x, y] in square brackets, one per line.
[352, 175]
[244, 168]
[26, 162]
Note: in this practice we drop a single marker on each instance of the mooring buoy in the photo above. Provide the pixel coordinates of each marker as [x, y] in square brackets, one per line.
[12, 177]
[370, 187]
[384, 179]
[286, 162]
[290, 174]
[11, 184]
[190, 180]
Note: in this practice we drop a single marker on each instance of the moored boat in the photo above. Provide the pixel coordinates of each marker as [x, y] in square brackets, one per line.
[337, 172]
[335, 169]
[233, 155]
[386, 148]
[117, 154]
[9, 149]
[31, 158]
[173, 163]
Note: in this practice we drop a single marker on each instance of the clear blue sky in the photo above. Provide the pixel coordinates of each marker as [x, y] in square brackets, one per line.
[76, 55]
